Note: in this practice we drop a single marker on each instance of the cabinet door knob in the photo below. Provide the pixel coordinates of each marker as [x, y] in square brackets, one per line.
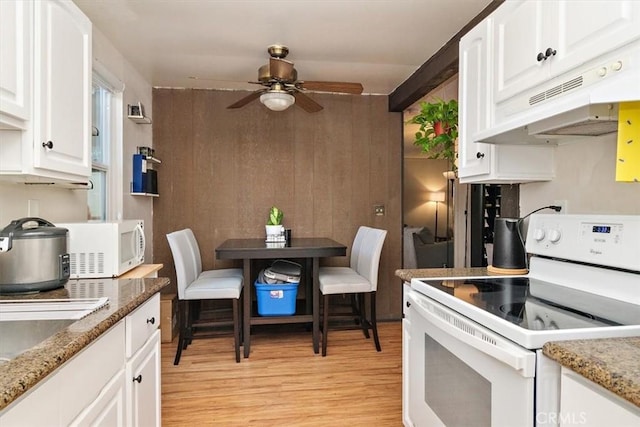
[137, 379]
[541, 57]
[549, 52]
[479, 155]
[152, 320]
[48, 144]
[408, 304]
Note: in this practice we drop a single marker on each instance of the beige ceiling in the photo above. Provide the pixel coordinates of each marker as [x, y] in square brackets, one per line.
[378, 43]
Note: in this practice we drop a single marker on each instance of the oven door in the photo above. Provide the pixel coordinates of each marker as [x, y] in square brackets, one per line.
[461, 374]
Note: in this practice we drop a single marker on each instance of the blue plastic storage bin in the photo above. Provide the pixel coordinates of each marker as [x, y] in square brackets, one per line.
[277, 299]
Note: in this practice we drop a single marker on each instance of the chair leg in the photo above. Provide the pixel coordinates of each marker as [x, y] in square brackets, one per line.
[193, 313]
[364, 324]
[236, 328]
[374, 323]
[325, 324]
[182, 339]
[240, 320]
[355, 309]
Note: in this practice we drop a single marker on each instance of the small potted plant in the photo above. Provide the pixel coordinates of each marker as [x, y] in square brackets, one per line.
[438, 130]
[274, 226]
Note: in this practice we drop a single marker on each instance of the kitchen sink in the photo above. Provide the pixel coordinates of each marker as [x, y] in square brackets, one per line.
[21, 335]
[26, 323]
[49, 309]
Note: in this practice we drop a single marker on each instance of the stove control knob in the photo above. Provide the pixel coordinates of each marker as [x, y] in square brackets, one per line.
[554, 236]
[538, 234]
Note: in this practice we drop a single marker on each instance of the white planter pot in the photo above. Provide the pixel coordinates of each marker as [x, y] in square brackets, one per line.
[274, 230]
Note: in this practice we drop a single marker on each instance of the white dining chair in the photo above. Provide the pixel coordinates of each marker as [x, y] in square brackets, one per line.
[359, 279]
[196, 286]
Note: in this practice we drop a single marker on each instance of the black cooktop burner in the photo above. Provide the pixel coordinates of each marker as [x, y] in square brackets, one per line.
[514, 312]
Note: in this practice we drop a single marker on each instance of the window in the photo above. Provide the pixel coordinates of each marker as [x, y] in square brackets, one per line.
[104, 200]
[100, 158]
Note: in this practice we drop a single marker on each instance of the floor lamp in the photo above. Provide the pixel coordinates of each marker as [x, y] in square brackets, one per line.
[437, 197]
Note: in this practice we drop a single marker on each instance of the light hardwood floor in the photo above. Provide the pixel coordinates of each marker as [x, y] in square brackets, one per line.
[283, 383]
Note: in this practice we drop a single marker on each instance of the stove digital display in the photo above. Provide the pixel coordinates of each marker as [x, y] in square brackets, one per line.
[601, 229]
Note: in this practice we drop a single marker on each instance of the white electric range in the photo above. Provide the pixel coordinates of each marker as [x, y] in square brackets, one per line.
[474, 343]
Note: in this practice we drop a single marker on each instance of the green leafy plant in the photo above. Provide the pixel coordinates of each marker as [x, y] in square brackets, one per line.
[438, 130]
[275, 216]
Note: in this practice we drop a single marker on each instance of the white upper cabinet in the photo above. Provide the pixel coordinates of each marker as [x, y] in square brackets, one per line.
[474, 101]
[526, 62]
[538, 40]
[62, 111]
[489, 163]
[54, 141]
[15, 63]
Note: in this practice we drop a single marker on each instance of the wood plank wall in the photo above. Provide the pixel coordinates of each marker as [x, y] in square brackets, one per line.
[223, 169]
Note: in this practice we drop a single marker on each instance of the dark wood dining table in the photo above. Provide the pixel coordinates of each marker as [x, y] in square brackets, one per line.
[311, 249]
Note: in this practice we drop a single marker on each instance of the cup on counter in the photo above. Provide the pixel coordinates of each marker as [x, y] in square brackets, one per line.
[287, 234]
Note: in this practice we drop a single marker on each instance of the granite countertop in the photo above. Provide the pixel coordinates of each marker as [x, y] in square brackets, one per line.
[408, 274]
[613, 363]
[24, 371]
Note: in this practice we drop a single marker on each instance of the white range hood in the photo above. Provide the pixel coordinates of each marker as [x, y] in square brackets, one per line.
[583, 103]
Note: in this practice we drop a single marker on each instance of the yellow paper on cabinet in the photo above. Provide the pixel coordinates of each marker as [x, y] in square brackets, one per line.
[628, 157]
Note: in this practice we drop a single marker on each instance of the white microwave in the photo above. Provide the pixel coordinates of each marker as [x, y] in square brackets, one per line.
[104, 249]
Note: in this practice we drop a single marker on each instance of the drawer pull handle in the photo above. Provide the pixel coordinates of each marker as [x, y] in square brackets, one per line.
[479, 155]
[137, 379]
[152, 320]
[48, 144]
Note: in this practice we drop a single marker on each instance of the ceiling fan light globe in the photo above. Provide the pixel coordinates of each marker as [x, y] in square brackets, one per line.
[277, 101]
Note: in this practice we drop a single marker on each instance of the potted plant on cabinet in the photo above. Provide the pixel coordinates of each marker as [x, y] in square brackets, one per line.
[274, 226]
[438, 130]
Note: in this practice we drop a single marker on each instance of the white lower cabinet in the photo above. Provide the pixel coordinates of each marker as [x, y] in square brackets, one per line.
[143, 365]
[72, 388]
[115, 381]
[585, 403]
[406, 339]
[108, 410]
[143, 384]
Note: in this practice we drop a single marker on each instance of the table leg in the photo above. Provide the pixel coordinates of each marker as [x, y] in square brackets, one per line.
[316, 305]
[246, 321]
[308, 285]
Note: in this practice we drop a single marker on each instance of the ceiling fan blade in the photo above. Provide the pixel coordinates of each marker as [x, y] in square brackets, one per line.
[281, 69]
[306, 103]
[338, 87]
[247, 99]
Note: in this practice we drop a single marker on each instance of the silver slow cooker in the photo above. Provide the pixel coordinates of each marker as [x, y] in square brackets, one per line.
[33, 256]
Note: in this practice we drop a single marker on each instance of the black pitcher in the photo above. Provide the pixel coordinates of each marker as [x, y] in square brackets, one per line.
[508, 244]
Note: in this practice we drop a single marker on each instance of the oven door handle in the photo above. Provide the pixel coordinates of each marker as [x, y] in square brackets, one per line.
[469, 333]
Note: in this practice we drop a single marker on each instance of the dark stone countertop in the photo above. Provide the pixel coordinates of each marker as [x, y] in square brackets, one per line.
[613, 363]
[24, 371]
